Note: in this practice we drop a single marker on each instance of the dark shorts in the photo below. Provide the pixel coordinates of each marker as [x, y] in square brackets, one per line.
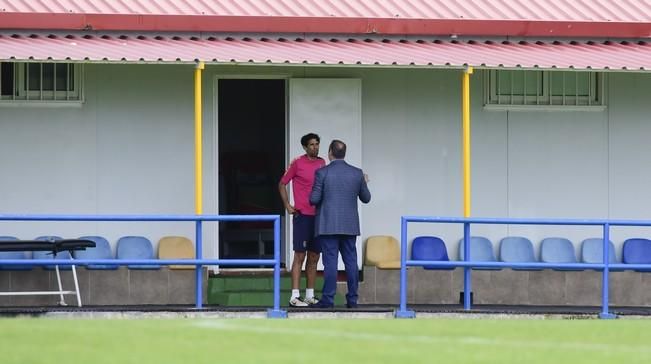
[304, 234]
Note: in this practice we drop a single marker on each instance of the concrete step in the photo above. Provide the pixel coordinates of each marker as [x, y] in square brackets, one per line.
[255, 289]
[254, 283]
[257, 298]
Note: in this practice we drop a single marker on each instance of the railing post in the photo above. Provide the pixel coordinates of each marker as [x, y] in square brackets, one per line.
[467, 283]
[276, 312]
[198, 286]
[402, 311]
[605, 275]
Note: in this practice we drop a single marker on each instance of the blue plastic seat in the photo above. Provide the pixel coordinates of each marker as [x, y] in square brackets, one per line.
[429, 248]
[65, 255]
[558, 250]
[102, 250]
[517, 249]
[481, 250]
[136, 247]
[13, 255]
[637, 251]
[592, 251]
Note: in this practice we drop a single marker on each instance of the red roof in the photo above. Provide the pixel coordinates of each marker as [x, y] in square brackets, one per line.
[546, 10]
[594, 18]
[82, 47]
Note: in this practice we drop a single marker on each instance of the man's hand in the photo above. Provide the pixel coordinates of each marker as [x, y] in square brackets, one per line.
[366, 179]
[290, 209]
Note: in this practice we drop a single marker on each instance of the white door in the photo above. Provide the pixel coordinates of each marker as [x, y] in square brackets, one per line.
[331, 108]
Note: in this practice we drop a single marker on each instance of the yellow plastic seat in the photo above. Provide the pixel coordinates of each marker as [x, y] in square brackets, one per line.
[383, 251]
[176, 247]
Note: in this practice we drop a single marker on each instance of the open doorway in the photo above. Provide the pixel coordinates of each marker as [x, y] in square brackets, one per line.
[251, 130]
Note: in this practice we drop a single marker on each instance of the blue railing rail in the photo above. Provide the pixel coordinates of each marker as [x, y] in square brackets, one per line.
[467, 263]
[274, 312]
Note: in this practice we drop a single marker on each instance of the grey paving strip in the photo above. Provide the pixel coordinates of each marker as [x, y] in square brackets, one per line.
[364, 312]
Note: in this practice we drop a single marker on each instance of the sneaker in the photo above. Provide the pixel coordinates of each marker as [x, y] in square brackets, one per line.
[297, 302]
[311, 301]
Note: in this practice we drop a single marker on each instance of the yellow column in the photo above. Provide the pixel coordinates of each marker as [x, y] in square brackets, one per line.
[465, 110]
[198, 164]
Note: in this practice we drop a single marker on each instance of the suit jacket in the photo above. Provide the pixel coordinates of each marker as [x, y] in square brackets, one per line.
[336, 189]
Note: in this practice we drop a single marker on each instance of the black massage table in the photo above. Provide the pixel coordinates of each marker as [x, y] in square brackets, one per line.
[54, 246]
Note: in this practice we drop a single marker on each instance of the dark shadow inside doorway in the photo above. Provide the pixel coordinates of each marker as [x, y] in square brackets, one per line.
[251, 119]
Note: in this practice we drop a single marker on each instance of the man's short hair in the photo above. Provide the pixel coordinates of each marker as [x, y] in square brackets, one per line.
[338, 149]
[307, 137]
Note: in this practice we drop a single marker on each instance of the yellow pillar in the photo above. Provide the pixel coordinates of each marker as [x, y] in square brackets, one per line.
[198, 164]
[465, 111]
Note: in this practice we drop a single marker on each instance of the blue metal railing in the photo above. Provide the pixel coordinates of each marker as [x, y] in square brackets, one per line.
[198, 262]
[467, 263]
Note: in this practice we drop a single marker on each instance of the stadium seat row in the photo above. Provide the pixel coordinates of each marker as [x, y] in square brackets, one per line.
[384, 251]
[128, 247]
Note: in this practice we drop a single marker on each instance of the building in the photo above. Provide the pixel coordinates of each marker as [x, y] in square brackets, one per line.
[97, 110]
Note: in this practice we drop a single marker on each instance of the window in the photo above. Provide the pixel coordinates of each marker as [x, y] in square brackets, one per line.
[40, 82]
[543, 89]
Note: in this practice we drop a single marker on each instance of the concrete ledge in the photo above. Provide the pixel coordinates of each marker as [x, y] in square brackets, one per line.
[105, 287]
[505, 287]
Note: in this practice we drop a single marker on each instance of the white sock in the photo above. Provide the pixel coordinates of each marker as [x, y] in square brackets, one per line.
[295, 293]
[309, 293]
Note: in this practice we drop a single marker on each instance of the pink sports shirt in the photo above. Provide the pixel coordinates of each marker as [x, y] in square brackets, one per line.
[301, 173]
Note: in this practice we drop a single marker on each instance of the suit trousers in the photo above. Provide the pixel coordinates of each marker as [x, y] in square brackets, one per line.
[331, 246]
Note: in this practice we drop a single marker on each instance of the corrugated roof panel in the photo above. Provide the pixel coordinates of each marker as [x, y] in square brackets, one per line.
[553, 10]
[320, 51]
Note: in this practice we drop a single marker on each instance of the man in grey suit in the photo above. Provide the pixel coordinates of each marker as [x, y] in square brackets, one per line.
[336, 189]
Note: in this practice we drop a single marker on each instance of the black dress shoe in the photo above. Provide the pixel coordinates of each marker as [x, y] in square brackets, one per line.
[321, 304]
[351, 305]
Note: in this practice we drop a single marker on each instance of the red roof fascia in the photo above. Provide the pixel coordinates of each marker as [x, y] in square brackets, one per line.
[338, 25]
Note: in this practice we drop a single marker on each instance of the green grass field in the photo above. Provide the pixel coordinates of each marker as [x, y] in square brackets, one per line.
[90, 341]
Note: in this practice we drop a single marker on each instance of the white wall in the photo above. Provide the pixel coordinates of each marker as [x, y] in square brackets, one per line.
[129, 149]
[538, 164]
[629, 151]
